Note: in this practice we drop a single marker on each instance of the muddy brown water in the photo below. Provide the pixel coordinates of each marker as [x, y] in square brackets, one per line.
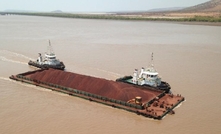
[186, 56]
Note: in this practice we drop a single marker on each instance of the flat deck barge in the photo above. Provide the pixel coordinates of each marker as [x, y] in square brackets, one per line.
[142, 101]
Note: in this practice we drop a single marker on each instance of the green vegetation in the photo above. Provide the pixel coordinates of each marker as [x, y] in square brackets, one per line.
[119, 17]
[206, 19]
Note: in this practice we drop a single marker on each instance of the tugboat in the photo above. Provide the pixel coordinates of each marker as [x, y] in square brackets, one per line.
[146, 77]
[49, 60]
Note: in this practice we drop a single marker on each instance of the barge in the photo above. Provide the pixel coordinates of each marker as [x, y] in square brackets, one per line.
[49, 61]
[142, 101]
[146, 77]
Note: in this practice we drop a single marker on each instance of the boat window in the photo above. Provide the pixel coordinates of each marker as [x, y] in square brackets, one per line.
[143, 75]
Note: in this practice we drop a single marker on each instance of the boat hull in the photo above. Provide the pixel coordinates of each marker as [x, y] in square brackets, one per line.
[60, 66]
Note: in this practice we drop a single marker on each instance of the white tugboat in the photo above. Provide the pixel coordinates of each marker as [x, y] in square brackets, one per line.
[49, 61]
[146, 77]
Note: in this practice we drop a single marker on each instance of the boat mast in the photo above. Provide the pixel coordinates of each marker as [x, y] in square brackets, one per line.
[50, 50]
[152, 65]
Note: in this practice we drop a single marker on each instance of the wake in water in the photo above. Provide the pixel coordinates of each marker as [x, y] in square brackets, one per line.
[9, 56]
[17, 54]
[33, 86]
[25, 84]
[9, 60]
[6, 79]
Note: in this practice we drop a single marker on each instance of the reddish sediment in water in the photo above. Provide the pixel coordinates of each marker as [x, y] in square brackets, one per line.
[154, 103]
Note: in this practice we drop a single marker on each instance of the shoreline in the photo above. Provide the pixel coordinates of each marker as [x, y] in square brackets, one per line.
[199, 23]
[196, 20]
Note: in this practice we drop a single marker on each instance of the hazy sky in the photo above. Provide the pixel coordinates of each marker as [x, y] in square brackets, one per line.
[94, 5]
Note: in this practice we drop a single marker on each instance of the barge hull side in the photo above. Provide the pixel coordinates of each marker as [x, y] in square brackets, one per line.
[45, 79]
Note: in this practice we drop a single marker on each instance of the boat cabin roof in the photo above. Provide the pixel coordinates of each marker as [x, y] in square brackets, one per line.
[150, 73]
[51, 55]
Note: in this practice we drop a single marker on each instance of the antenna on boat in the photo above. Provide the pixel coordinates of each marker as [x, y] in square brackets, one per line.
[152, 60]
[50, 50]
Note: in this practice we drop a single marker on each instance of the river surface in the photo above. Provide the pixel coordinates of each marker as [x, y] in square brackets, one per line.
[188, 57]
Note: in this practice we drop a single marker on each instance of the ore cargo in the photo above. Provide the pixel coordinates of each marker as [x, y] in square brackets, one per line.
[144, 101]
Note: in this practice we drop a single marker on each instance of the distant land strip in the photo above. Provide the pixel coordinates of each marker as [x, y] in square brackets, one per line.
[120, 17]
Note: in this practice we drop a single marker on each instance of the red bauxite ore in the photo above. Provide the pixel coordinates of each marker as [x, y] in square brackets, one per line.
[145, 101]
[99, 86]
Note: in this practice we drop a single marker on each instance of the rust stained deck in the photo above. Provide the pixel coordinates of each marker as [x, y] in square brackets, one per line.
[99, 86]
